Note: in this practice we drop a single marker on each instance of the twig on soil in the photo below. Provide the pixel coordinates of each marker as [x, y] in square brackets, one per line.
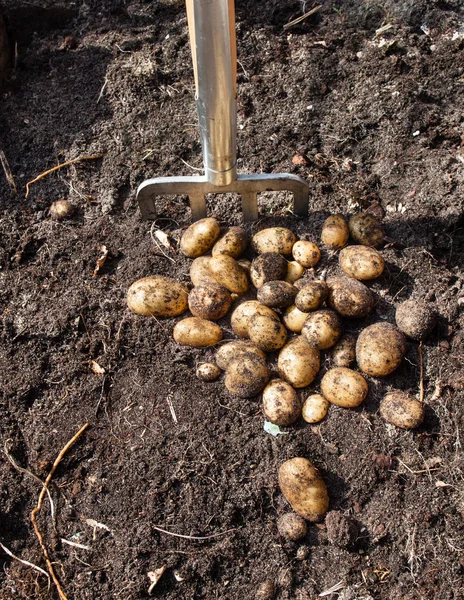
[194, 537]
[7, 171]
[303, 17]
[75, 544]
[421, 375]
[25, 562]
[36, 510]
[171, 408]
[65, 164]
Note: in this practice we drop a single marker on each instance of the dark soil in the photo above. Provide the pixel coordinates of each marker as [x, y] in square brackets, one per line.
[377, 121]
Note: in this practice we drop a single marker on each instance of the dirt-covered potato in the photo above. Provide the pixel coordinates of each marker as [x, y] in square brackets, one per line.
[306, 253]
[246, 375]
[267, 332]
[208, 372]
[209, 301]
[350, 298]
[228, 352]
[380, 349]
[311, 296]
[335, 232]
[229, 273]
[233, 243]
[265, 591]
[401, 410]
[199, 237]
[361, 262]
[269, 266]
[277, 294]
[157, 296]
[281, 404]
[344, 387]
[292, 527]
[344, 352]
[315, 408]
[197, 332]
[294, 319]
[322, 329]
[298, 363]
[294, 271]
[303, 487]
[274, 239]
[365, 229]
[200, 273]
[240, 316]
[416, 319]
[61, 209]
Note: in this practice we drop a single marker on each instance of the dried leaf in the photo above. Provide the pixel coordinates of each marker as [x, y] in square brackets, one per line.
[163, 238]
[441, 484]
[96, 368]
[273, 429]
[155, 576]
[101, 261]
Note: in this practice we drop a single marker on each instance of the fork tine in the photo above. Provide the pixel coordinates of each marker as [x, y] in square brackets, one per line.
[198, 206]
[249, 206]
[300, 202]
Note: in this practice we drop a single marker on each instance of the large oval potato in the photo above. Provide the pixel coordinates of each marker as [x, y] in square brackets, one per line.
[266, 332]
[294, 271]
[361, 262]
[277, 294]
[344, 387]
[199, 237]
[209, 301]
[200, 273]
[274, 239]
[246, 375]
[294, 319]
[303, 487]
[311, 296]
[380, 349]
[298, 363]
[335, 232]
[197, 332]
[350, 298]
[322, 329]
[315, 408]
[269, 266]
[281, 404]
[365, 229]
[306, 253]
[229, 273]
[228, 352]
[233, 243]
[157, 296]
[240, 316]
[344, 351]
[401, 410]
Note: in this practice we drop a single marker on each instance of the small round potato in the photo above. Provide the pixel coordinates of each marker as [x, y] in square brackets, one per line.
[200, 273]
[344, 387]
[401, 410]
[240, 316]
[269, 266]
[274, 239]
[294, 271]
[233, 243]
[344, 351]
[380, 349]
[366, 230]
[361, 262]
[416, 319]
[303, 487]
[311, 296]
[208, 372]
[322, 329]
[265, 591]
[197, 332]
[157, 296]
[277, 294]
[315, 408]
[350, 298]
[228, 352]
[298, 363]
[199, 237]
[246, 375]
[209, 301]
[281, 404]
[229, 273]
[292, 527]
[266, 332]
[335, 232]
[306, 253]
[294, 319]
[62, 209]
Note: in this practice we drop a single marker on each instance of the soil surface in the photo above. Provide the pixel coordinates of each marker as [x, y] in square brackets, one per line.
[368, 97]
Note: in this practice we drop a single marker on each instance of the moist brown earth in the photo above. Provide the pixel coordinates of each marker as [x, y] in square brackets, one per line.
[362, 99]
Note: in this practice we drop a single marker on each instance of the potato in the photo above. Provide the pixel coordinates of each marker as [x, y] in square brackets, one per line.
[268, 266]
[265, 591]
[266, 332]
[199, 237]
[401, 410]
[281, 404]
[208, 372]
[240, 316]
[416, 319]
[277, 294]
[200, 273]
[380, 349]
[229, 273]
[344, 387]
[197, 332]
[62, 209]
[294, 271]
[306, 253]
[246, 375]
[234, 349]
[361, 262]
[322, 329]
[274, 239]
[335, 232]
[344, 351]
[311, 296]
[294, 319]
[209, 301]
[366, 230]
[157, 296]
[315, 408]
[233, 243]
[298, 363]
[292, 527]
[350, 298]
[303, 487]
